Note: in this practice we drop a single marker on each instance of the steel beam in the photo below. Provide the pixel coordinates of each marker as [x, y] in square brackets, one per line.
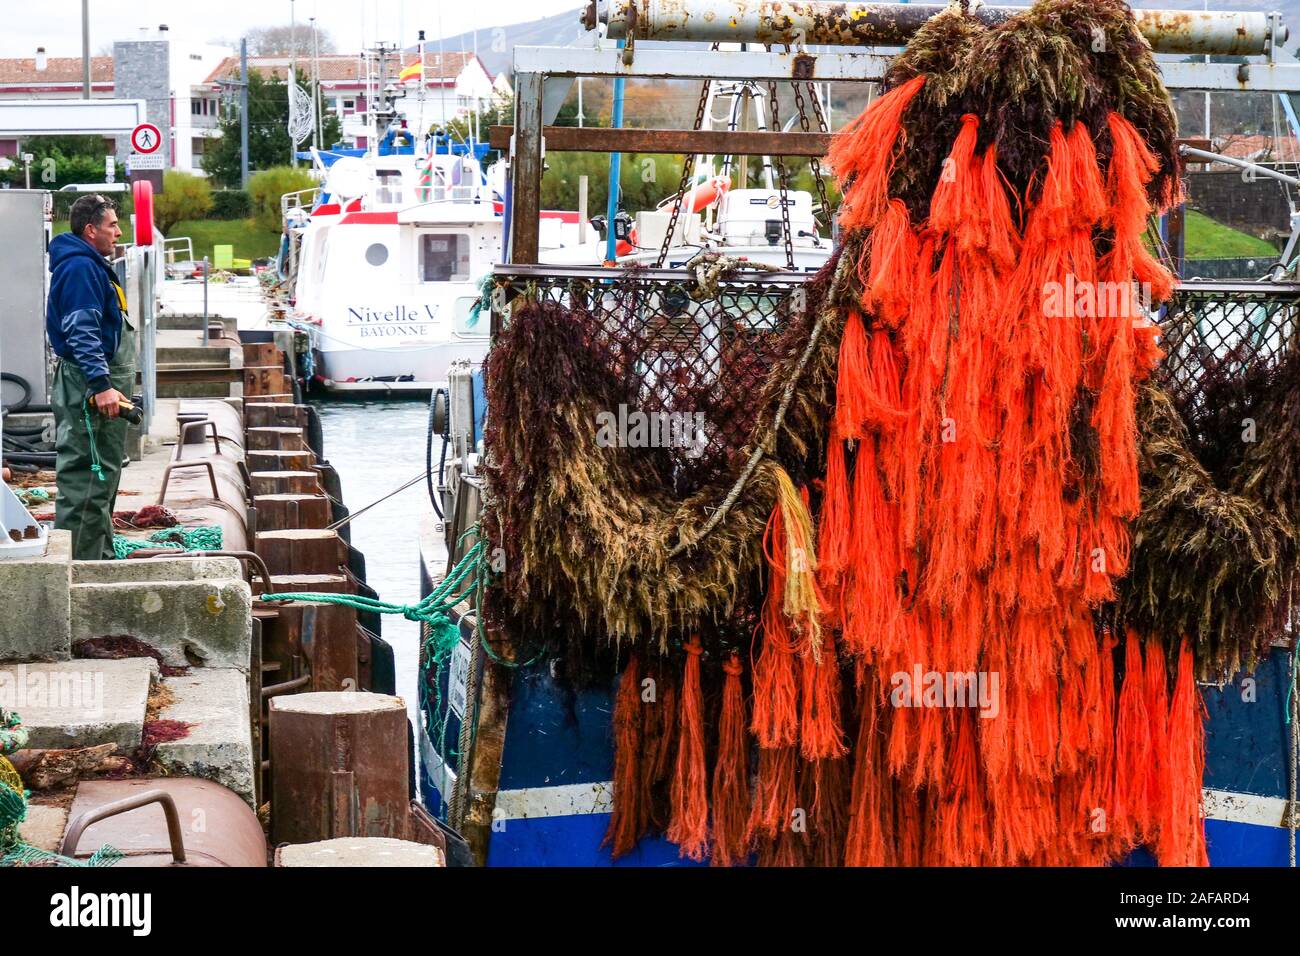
[602, 139]
[658, 64]
[835, 23]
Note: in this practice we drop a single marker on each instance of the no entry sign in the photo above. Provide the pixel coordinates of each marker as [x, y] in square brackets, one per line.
[146, 138]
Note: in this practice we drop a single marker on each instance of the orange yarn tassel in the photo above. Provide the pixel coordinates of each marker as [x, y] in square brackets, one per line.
[625, 822]
[1182, 830]
[689, 826]
[851, 402]
[775, 796]
[862, 154]
[834, 530]
[776, 690]
[731, 773]
[1132, 818]
[820, 735]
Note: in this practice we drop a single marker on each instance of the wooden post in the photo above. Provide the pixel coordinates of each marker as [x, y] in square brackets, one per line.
[526, 169]
[323, 636]
[274, 438]
[264, 414]
[301, 551]
[338, 766]
[284, 483]
[276, 460]
[282, 512]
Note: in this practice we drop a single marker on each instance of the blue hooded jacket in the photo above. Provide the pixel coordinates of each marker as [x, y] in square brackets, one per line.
[83, 318]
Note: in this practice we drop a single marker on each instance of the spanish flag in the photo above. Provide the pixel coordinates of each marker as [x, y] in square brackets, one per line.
[411, 72]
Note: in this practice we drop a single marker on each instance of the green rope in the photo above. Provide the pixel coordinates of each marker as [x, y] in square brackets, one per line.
[439, 632]
[483, 303]
[14, 850]
[95, 466]
[13, 736]
[31, 496]
[206, 538]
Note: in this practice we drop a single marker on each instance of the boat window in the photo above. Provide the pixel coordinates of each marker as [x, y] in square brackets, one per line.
[444, 257]
[463, 323]
[377, 254]
[390, 186]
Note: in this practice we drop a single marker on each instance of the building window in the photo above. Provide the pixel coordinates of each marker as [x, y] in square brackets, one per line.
[444, 257]
[196, 146]
[349, 106]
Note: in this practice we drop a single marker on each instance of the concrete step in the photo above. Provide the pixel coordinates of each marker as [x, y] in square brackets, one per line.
[44, 826]
[192, 356]
[34, 624]
[359, 851]
[219, 744]
[158, 570]
[204, 622]
[80, 703]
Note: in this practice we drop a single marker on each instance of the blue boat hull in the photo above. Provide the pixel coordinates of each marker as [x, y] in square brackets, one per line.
[553, 801]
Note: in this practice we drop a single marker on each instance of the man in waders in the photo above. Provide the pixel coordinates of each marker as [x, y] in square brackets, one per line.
[89, 331]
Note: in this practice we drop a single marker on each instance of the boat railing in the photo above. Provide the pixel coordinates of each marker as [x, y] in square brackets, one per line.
[180, 243]
[301, 199]
[1229, 327]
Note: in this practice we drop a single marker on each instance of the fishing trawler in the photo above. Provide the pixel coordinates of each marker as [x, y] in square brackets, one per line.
[520, 738]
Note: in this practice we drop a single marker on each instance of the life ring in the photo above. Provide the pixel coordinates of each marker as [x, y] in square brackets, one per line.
[702, 196]
[142, 193]
[625, 247]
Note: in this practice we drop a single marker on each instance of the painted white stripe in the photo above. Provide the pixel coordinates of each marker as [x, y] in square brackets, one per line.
[1233, 807]
[582, 798]
[437, 771]
[574, 799]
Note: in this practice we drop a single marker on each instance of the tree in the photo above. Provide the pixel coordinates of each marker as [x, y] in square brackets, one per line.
[61, 160]
[268, 133]
[288, 38]
[266, 188]
[184, 197]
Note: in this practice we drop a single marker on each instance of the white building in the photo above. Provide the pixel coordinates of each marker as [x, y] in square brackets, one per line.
[455, 84]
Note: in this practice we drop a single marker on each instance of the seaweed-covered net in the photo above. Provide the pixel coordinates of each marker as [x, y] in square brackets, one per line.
[693, 354]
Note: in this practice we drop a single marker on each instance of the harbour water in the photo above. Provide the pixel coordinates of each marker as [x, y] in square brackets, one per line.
[377, 446]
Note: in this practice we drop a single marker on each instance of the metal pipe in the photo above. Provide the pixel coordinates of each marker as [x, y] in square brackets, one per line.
[825, 22]
[85, 51]
[243, 114]
[79, 825]
[1254, 168]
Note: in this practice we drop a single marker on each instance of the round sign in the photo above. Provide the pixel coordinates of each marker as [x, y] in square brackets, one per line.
[146, 138]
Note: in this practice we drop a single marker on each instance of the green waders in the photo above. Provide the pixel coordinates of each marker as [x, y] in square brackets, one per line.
[85, 503]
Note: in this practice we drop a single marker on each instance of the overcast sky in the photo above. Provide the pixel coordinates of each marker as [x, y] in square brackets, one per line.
[57, 25]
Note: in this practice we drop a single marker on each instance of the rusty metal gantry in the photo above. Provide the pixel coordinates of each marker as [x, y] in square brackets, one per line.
[543, 75]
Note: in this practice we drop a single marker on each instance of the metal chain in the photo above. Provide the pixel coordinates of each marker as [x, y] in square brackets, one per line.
[813, 163]
[688, 169]
[782, 178]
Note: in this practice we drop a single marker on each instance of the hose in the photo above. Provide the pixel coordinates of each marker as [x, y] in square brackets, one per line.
[29, 458]
[428, 450]
[21, 383]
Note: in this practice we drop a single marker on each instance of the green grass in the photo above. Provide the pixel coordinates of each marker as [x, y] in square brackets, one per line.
[1207, 239]
[249, 240]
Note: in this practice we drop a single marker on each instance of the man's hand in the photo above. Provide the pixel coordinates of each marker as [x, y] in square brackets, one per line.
[107, 402]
